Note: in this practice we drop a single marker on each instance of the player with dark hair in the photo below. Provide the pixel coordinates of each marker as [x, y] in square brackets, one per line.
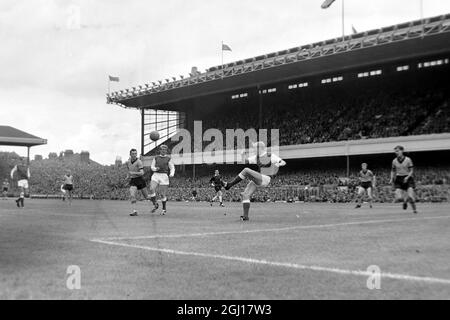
[402, 177]
[23, 174]
[268, 164]
[367, 183]
[136, 180]
[217, 182]
[163, 169]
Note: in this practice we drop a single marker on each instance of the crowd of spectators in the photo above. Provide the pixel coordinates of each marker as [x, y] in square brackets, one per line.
[350, 114]
[94, 181]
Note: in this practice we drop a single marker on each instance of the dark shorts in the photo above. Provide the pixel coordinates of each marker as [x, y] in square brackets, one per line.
[218, 188]
[366, 185]
[5, 189]
[68, 187]
[139, 183]
[400, 184]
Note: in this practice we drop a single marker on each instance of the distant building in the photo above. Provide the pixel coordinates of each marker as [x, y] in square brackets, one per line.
[118, 162]
[85, 156]
[52, 155]
[38, 157]
[68, 154]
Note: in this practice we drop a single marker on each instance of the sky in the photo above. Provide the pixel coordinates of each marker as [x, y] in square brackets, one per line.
[56, 55]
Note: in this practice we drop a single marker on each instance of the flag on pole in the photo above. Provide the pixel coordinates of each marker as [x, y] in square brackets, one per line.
[226, 47]
[115, 79]
[354, 30]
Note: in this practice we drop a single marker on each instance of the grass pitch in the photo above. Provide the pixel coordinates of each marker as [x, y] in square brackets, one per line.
[286, 251]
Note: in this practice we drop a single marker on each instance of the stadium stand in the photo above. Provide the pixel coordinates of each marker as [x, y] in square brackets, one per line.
[386, 108]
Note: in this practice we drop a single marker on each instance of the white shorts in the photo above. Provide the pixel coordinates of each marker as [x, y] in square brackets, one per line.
[23, 183]
[265, 181]
[161, 179]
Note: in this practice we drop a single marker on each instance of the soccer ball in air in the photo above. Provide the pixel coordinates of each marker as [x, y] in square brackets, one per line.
[154, 135]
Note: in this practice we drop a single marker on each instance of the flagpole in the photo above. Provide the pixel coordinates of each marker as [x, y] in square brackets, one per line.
[343, 20]
[223, 70]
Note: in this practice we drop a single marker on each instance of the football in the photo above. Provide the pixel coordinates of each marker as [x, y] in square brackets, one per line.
[154, 135]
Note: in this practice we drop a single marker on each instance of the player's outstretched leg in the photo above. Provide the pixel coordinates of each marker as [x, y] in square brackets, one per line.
[359, 197]
[70, 197]
[250, 174]
[246, 196]
[212, 200]
[133, 200]
[163, 190]
[400, 197]
[153, 186]
[370, 195]
[412, 199]
[221, 199]
[19, 201]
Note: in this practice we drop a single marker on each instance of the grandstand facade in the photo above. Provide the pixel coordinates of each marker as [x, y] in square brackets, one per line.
[360, 95]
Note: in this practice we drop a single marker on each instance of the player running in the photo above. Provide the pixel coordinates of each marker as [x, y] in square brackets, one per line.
[137, 182]
[217, 182]
[268, 164]
[163, 169]
[367, 183]
[23, 174]
[68, 186]
[5, 188]
[402, 178]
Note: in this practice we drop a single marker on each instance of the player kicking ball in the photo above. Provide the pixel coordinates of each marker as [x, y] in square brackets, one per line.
[402, 177]
[163, 169]
[217, 182]
[136, 180]
[268, 164]
[367, 183]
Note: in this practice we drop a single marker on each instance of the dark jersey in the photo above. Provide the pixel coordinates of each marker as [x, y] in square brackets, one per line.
[163, 163]
[217, 181]
[366, 176]
[22, 172]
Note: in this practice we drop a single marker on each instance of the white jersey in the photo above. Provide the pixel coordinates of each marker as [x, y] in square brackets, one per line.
[268, 163]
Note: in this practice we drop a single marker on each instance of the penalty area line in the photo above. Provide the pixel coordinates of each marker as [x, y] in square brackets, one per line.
[385, 275]
[314, 226]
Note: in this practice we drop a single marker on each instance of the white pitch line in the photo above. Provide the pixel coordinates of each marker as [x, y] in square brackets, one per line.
[316, 226]
[396, 276]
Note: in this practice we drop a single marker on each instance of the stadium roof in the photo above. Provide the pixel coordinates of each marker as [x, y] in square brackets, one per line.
[419, 38]
[10, 136]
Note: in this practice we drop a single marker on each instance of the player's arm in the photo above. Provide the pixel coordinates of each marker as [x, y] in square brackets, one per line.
[13, 171]
[374, 181]
[139, 173]
[171, 169]
[153, 166]
[411, 171]
[393, 171]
